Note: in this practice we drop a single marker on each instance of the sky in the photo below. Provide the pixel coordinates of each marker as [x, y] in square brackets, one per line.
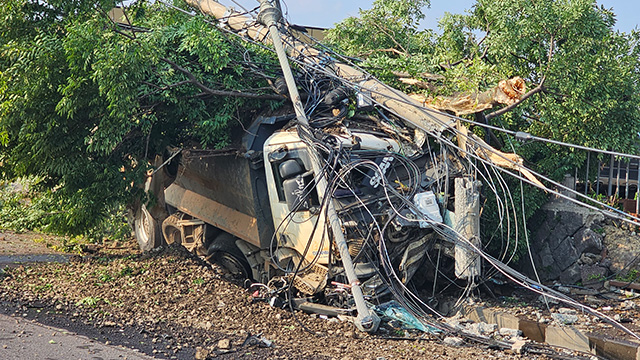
[324, 13]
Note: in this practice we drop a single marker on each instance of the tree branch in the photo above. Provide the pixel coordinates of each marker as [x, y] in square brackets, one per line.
[384, 31]
[391, 50]
[524, 97]
[205, 89]
[537, 89]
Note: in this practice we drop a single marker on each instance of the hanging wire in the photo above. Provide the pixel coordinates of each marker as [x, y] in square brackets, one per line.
[313, 68]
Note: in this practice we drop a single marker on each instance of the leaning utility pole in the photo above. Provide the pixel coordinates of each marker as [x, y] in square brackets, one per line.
[366, 320]
[467, 205]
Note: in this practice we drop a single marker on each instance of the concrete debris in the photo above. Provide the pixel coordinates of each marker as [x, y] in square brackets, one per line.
[453, 341]
[543, 320]
[565, 319]
[456, 322]
[257, 340]
[481, 329]
[201, 353]
[390, 157]
[518, 346]
[512, 333]
[224, 344]
[628, 305]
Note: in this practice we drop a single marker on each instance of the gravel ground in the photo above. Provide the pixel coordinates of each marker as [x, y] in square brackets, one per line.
[170, 304]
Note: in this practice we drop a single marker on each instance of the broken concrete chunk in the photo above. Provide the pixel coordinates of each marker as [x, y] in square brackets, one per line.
[482, 328]
[257, 340]
[224, 344]
[453, 341]
[518, 345]
[510, 332]
[566, 319]
[201, 353]
[628, 305]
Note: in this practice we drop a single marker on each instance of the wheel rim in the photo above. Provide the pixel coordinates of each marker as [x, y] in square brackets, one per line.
[146, 225]
[143, 227]
[229, 262]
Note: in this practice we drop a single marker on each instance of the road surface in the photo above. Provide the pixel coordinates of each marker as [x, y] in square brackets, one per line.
[22, 339]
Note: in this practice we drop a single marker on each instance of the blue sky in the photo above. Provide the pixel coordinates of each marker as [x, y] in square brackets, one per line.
[324, 13]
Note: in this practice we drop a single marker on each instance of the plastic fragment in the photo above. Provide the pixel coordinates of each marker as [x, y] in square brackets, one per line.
[393, 310]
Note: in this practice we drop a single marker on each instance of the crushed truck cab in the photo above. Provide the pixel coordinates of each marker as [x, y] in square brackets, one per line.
[260, 208]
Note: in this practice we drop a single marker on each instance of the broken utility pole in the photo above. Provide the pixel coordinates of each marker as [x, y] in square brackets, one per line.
[467, 224]
[366, 320]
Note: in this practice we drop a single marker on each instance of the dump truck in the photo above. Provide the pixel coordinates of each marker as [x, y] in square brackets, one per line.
[257, 210]
[344, 197]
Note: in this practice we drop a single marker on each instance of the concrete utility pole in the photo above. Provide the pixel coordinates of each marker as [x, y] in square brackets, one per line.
[467, 205]
[366, 320]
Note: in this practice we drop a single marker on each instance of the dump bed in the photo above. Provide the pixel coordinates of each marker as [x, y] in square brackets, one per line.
[226, 189]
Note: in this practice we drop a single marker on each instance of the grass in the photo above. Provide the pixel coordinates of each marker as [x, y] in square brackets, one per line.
[631, 276]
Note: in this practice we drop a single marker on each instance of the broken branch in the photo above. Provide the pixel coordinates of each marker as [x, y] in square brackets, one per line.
[524, 97]
[205, 89]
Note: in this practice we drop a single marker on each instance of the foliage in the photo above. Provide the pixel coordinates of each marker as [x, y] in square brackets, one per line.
[587, 72]
[84, 103]
[584, 76]
[631, 276]
[25, 205]
[386, 37]
[17, 208]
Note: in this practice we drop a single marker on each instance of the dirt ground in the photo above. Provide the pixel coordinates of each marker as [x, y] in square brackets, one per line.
[12, 243]
[171, 304]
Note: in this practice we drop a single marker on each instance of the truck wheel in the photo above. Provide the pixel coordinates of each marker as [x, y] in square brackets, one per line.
[147, 229]
[223, 251]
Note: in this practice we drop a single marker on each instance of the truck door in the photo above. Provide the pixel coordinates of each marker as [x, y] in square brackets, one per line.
[294, 202]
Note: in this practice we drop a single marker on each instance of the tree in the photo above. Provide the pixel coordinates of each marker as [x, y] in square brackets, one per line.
[85, 102]
[582, 78]
[582, 75]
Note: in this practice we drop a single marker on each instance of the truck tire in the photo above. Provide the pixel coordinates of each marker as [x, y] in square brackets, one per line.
[147, 229]
[224, 252]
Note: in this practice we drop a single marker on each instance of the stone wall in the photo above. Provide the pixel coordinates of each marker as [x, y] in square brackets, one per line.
[567, 244]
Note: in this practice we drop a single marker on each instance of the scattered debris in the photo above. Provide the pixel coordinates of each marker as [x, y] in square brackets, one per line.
[224, 344]
[201, 353]
[511, 333]
[453, 341]
[481, 329]
[391, 310]
[566, 319]
[257, 340]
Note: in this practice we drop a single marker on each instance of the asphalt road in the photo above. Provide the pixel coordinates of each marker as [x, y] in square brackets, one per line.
[22, 339]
